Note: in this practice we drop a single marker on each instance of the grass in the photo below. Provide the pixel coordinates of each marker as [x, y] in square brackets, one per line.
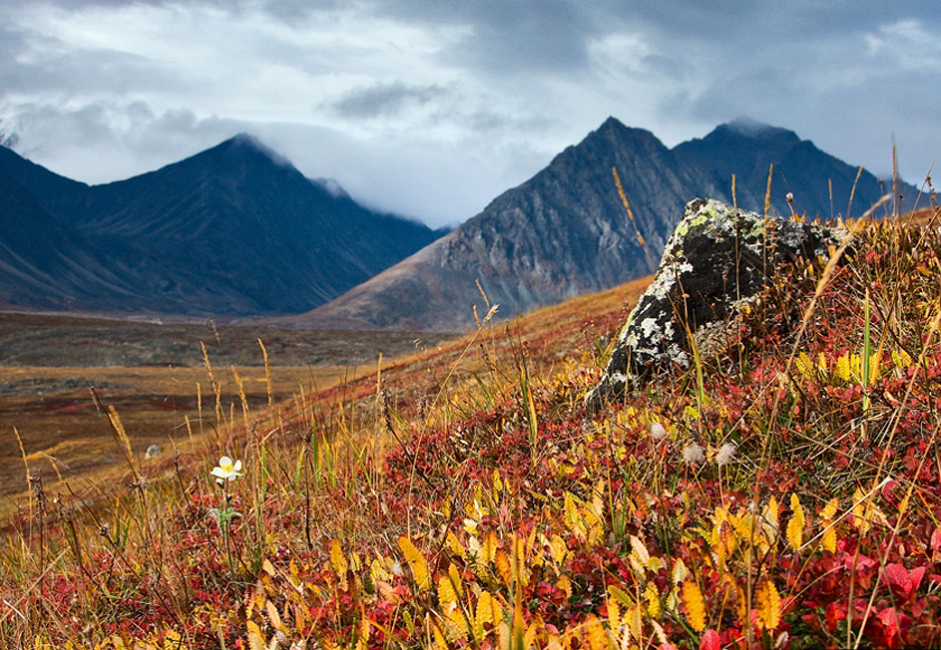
[782, 494]
[63, 435]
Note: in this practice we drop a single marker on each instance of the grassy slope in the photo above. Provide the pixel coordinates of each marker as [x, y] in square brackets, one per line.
[464, 498]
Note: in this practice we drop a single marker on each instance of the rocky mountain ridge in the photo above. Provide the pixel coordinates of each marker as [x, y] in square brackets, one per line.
[566, 232]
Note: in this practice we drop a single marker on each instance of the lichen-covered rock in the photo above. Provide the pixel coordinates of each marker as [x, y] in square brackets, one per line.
[717, 259]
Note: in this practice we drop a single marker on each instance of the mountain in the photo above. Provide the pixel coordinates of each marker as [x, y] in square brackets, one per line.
[747, 149]
[44, 261]
[566, 232]
[235, 230]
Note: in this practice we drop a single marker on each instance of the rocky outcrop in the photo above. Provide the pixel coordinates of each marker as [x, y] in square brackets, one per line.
[717, 259]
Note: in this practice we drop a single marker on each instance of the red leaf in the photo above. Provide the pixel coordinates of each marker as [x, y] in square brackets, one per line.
[899, 579]
[710, 641]
[936, 539]
[916, 576]
[836, 612]
[894, 623]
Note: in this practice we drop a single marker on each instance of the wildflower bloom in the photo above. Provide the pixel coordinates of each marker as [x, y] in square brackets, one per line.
[227, 470]
[693, 454]
[725, 454]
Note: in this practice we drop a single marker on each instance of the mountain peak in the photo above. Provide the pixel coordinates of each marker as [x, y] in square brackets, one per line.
[250, 144]
[752, 128]
[616, 126]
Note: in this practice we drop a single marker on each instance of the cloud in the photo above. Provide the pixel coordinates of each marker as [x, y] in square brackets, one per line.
[382, 99]
[122, 140]
[434, 108]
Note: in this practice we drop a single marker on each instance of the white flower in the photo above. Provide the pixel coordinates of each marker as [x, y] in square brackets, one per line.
[725, 454]
[227, 469]
[693, 454]
[657, 431]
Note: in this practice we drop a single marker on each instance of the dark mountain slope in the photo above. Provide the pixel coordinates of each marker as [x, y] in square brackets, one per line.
[748, 149]
[56, 194]
[240, 223]
[45, 263]
[235, 230]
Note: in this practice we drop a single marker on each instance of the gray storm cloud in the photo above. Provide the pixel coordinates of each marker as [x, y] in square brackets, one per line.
[431, 109]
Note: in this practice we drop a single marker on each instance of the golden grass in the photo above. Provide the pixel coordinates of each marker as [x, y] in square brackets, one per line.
[65, 436]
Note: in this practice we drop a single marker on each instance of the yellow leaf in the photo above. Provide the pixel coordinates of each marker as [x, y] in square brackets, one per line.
[456, 582]
[559, 549]
[446, 595]
[614, 613]
[337, 559]
[829, 533]
[843, 367]
[571, 516]
[503, 567]
[489, 549]
[875, 367]
[455, 545]
[483, 615]
[653, 601]
[172, 640]
[860, 520]
[273, 615]
[901, 359]
[635, 625]
[457, 626]
[440, 642]
[597, 499]
[596, 635]
[529, 639]
[417, 562]
[620, 596]
[255, 639]
[361, 642]
[769, 605]
[695, 605]
[565, 585]
[643, 556]
[795, 527]
[804, 366]
[680, 572]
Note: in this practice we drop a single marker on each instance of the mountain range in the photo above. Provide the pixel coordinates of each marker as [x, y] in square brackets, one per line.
[237, 231]
[233, 231]
[566, 231]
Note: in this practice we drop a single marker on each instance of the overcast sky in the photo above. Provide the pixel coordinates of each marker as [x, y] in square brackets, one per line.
[431, 108]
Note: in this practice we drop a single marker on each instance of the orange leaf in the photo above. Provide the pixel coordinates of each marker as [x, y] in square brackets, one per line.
[795, 527]
[695, 606]
[769, 605]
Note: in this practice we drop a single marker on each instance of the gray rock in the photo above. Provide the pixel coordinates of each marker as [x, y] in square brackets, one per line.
[717, 259]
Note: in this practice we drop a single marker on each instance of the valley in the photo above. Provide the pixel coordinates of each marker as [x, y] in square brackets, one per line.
[156, 378]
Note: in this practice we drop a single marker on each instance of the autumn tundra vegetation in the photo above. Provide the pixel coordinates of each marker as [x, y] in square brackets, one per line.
[784, 492]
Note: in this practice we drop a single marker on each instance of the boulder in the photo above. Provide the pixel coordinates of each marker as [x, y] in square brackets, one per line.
[717, 260]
